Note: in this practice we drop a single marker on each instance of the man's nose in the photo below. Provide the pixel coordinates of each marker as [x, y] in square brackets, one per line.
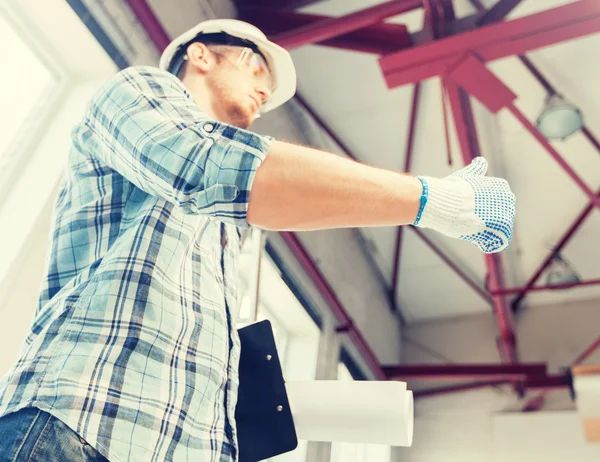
[263, 92]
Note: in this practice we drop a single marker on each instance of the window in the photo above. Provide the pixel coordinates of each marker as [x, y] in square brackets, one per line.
[296, 334]
[27, 89]
[356, 452]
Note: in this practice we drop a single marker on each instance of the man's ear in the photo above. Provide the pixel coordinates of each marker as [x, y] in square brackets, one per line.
[200, 57]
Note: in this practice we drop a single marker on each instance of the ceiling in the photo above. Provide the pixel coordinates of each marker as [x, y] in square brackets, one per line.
[348, 91]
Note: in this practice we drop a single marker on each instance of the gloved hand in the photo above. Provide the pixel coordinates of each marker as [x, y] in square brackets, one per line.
[469, 206]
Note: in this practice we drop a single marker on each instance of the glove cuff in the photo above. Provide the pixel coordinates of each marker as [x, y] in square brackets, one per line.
[447, 206]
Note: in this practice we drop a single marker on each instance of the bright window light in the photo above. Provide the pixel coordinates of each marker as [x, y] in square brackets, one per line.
[357, 452]
[25, 83]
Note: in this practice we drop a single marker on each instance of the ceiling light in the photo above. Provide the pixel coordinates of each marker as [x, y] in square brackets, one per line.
[561, 272]
[559, 119]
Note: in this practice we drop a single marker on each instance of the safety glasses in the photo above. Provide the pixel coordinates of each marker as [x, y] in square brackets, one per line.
[248, 60]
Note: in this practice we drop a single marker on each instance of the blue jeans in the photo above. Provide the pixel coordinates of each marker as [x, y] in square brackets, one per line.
[34, 435]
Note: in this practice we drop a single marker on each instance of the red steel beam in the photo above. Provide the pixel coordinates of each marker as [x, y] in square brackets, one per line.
[536, 403]
[440, 391]
[551, 90]
[591, 138]
[321, 123]
[498, 12]
[570, 285]
[334, 27]
[493, 42]
[407, 167]
[538, 75]
[467, 136]
[587, 353]
[557, 248]
[333, 302]
[378, 38]
[594, 199]
[460, 273]
[465, 371]
[150, 22]
[551, 382]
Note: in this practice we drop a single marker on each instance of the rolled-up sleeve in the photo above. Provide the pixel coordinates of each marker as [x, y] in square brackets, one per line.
[145, 125]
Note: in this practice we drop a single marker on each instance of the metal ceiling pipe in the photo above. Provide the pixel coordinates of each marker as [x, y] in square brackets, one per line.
[326, 128]
[330, 28]
[503, 372]
[498, 12]
[544, 382]
[458, 388]
[412, 130]
[536, 403]
[460, 273]
[492, 42]
[152, 25]
[568, 285]
[594, 199]
[467, 136]
[587, 352]
[557, 248]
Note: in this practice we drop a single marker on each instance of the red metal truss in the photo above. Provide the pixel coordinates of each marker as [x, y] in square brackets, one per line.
[498, 12]
[493, 42]
[334, 27]
[594, 199]
[323, 125]
[460, 273]
[521, 293]
[150, 22]
[465, 371]
[378, 38]
[536, 403]
[333, 302]
[568, 285]
[467, 136]
[549, 382]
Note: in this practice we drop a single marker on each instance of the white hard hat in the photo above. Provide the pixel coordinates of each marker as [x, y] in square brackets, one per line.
[279, 60]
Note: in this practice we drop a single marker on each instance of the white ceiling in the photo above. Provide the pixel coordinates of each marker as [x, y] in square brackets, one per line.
[347, 89]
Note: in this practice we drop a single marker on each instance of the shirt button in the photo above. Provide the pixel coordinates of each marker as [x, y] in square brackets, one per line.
[209, 127]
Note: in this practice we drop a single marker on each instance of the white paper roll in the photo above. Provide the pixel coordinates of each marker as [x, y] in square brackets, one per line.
[352, 412]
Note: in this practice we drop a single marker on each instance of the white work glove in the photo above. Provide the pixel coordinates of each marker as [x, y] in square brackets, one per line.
[469, 206]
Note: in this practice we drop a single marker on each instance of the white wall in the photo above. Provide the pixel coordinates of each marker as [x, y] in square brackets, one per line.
[555, 334]
[487, 425]
[548, 436]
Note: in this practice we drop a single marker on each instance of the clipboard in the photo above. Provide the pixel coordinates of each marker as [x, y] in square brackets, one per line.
[265, 425]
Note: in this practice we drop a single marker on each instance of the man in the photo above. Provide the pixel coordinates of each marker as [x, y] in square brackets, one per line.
[133, 353]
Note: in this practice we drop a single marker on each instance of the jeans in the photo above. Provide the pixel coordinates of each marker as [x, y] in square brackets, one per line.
[34, 435]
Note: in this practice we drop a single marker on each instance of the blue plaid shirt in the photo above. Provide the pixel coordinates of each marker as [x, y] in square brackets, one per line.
[133, 344]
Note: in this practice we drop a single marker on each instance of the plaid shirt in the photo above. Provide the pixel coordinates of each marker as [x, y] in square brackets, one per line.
[133, 344]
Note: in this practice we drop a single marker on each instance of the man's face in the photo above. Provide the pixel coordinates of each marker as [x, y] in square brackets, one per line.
[240, 84]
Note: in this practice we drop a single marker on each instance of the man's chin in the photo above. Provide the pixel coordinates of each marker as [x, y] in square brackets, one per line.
[243, 119]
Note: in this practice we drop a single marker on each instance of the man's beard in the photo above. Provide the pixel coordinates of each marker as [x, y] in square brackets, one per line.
[239, 115]
[233, 112]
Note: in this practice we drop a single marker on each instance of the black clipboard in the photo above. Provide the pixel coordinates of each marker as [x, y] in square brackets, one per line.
[265, 426]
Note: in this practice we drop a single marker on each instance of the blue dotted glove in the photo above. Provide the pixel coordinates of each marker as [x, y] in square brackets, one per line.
[470, 206]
